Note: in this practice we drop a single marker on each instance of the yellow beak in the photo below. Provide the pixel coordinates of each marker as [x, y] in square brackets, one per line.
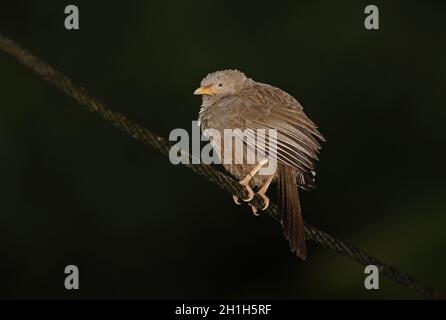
[204, 91]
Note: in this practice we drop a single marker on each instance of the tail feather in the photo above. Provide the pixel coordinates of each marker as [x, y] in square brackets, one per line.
[292, 222]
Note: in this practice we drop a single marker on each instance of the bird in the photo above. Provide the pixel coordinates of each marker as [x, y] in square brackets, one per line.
[231, 100]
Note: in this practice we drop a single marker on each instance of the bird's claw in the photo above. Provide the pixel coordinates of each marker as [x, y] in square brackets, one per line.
[254, 210]
[265, 200]
[235, 198]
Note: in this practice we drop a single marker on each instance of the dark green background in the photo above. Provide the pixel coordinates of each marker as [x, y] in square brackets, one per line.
[74, 190]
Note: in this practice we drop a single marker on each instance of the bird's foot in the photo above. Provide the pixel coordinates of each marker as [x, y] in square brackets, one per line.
[265, 200]
[245, 183]
[235, 198]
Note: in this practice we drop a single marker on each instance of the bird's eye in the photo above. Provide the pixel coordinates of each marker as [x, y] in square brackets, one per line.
[220, 84]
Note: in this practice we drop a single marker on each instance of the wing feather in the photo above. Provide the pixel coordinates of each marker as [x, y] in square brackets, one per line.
[265, 107]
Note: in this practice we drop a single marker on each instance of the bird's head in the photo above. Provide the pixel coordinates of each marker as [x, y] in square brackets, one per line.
[222, 83]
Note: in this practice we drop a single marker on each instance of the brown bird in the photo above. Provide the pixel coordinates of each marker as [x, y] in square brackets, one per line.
[233, 101]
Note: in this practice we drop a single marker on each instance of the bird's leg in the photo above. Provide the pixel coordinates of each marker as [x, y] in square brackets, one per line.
[247, 179]
[262, 192]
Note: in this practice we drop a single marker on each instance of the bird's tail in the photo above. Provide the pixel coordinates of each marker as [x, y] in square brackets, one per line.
[292, 222]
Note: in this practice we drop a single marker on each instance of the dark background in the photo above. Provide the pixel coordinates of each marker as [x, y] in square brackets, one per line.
[74, 190]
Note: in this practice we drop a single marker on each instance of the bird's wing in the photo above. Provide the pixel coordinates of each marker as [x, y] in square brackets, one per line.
[265, 107]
